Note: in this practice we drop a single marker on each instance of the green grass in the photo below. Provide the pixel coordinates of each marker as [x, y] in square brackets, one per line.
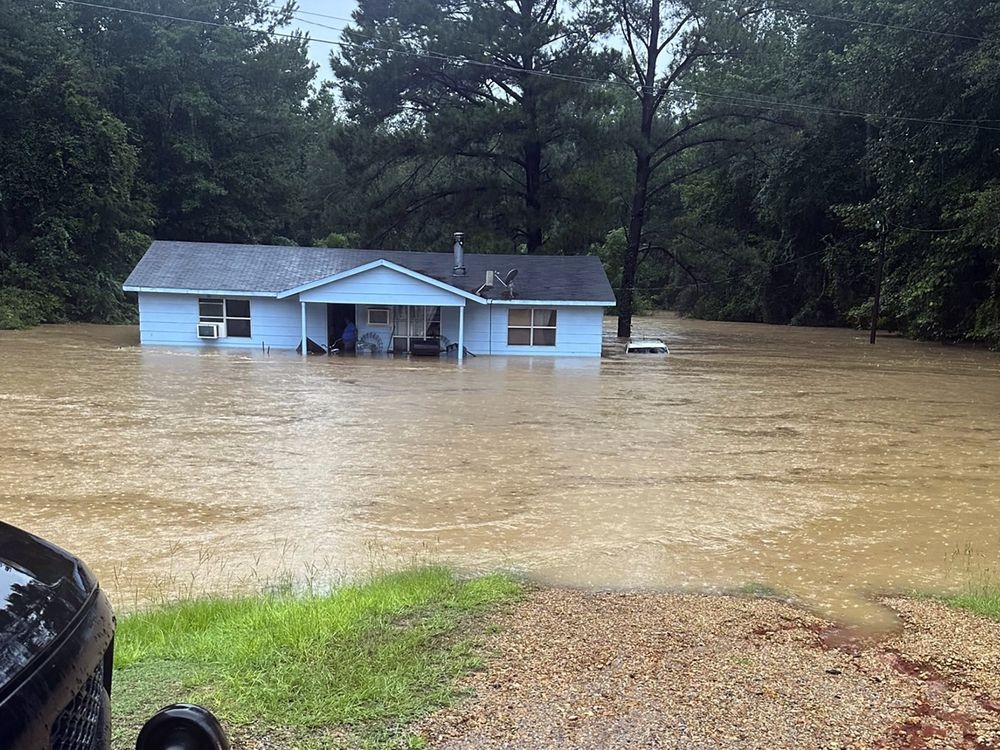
[981, 590]
[981, 596]
[350, 667]
[981, 602]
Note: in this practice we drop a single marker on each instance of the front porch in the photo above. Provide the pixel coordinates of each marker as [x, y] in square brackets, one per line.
[419, 330]
[392, 309]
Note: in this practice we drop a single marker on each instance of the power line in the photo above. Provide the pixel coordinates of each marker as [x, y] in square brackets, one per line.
[354, 33]
[798, 11]
[735, 99]
[731, 99]
[430, 55]
[818, 109]
[342, 29]
[322, 15]
[892, 26]
[165, 17]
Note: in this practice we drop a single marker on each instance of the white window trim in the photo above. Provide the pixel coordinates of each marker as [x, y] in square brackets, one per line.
[224, 319]
[388, 316]
[531, 328]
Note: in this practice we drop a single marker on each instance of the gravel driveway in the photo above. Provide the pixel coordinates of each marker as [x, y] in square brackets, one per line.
[572, 669]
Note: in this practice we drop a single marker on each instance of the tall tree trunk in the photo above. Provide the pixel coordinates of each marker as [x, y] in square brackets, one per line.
[640, 190]
[630, 266]
[534, 223]
[532, 148]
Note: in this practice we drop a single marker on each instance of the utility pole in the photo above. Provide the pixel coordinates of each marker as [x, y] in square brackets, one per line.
[876, 307]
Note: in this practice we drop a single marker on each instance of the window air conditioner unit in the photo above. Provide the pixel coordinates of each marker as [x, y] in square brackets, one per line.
[211, 330]
[379, 316]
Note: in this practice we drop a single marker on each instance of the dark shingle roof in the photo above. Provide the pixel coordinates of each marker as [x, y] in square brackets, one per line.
[206, 266]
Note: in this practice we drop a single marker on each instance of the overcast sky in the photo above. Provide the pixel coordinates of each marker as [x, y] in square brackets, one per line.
[323, 28]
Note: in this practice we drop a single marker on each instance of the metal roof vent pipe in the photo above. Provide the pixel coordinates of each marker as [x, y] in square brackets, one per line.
[459, 249]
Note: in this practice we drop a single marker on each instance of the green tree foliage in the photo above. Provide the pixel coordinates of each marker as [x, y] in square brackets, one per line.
[120, 125]
[789, 230]
[668, 44]
[724, 159]
[221, 109]
[70, 211]
[476, 121]
[932, 181]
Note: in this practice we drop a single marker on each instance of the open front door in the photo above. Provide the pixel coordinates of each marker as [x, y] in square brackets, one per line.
[337, 319]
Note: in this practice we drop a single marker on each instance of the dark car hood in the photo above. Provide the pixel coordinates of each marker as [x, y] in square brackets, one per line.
[42, 591]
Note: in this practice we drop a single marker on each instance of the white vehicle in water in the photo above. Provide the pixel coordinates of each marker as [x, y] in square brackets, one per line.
[646, 346]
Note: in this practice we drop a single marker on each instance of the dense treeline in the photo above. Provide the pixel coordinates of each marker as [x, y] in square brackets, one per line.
[725, 159]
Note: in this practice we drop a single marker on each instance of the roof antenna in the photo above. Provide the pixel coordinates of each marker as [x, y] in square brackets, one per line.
[506, 280]
[488, 284]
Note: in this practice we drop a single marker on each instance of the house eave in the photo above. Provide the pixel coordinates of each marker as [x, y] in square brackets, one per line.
[381, 263]
[552, 302]
[201, 292]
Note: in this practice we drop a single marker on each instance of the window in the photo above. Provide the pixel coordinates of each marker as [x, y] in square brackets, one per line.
[378, 316]
[235, 313]
[531, 327]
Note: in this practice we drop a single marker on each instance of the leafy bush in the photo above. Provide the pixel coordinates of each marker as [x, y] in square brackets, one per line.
[21, 308]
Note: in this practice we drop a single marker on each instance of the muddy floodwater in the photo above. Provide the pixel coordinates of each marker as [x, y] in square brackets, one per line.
[799, 459]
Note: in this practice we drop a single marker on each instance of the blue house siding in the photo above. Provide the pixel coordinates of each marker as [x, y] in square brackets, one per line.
[449, 324]
[383, 332]
[170, 319]
[379, 287]
[281, 282]
[578, 331]
[315, 323]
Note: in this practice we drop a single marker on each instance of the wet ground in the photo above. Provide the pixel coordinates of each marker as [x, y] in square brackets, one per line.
[585, 670]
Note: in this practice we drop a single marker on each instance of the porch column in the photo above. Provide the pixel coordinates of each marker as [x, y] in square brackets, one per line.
[304, 351]
[461, 333]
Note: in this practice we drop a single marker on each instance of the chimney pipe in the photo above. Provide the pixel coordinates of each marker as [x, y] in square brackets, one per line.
[459, 269]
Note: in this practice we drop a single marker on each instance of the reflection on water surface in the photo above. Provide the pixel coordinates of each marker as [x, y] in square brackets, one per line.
[802, 459]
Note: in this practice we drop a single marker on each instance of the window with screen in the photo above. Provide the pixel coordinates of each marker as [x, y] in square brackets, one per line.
[414, 322]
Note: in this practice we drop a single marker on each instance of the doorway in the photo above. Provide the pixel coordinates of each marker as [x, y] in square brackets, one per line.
[337, 318]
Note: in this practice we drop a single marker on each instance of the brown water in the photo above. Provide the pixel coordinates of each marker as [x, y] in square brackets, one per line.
[802, 459]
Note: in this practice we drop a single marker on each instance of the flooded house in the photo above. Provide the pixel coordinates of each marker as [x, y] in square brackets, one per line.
[372, 301]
